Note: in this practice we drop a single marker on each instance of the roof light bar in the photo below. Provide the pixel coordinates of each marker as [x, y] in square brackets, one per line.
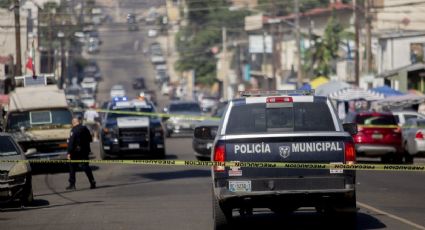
[259, 93]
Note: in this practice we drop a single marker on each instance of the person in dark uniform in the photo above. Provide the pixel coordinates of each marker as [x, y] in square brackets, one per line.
[79, 149]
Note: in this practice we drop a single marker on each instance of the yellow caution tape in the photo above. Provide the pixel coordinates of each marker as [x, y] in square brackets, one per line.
[287, 165]
[163, 115]
[378, 126]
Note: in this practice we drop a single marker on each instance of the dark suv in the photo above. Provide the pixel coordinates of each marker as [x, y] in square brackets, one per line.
[282, 126]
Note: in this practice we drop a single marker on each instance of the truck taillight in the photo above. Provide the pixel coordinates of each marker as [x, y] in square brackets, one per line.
[219, 156]
[419, 135]
[350, 153]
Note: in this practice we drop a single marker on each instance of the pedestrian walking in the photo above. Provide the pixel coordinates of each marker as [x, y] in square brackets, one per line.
[91, 121]
[79, 149]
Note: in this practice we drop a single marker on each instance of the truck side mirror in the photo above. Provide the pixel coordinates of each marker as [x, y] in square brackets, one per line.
[30, 151]
[350, 128]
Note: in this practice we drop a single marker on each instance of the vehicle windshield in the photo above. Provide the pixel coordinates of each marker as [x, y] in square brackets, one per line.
[7, 148]
[256, 118]
[376, 120]
[116, 115]
[185, 107]
[33, 120]
[421, 123]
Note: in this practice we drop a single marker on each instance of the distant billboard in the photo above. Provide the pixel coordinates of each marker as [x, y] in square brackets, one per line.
[257, 43]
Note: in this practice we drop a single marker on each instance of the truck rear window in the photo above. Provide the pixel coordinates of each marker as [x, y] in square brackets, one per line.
[376, 120]
[256, 118]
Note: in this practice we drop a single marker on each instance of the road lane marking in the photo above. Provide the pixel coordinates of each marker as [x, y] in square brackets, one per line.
[136, 45]
[405, 221]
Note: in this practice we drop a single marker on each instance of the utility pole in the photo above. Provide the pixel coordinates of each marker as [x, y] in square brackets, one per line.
[50, 39]
[274, 44]
[369, 67]
[18, 39]
[298, 43]
[61, 36]
[357, 42]
[266, 78]
[224, 62]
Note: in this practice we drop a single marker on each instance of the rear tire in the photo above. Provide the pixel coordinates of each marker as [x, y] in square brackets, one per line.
[386, 159]
[27, 196]
[103, 155]
[160, 153]
[408, 159]
[221, 216]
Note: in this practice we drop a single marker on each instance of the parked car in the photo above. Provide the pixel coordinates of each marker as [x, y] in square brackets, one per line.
[139, 83]
[402, 116]
[161, 76]
[184, 119]
[92, 70]
[88, 101]
[165, 88]
[117, 91]
[89, 83]
[132, 22]
[413, 132]
[93, 46]
[157, 59]
[152, 33]
[207, 103]
[15, 177]
[155, 48]
[378, 136]
[202, 141]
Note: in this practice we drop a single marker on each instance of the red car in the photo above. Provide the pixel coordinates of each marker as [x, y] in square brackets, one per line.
[378, 136]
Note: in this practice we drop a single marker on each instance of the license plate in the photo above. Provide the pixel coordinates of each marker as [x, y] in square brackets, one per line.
[377, 136]
[133, 146]
[240, 186]
[186, 126]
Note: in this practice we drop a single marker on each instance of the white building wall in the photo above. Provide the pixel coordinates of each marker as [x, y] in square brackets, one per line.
[395, 52]
[7, 35]
[400, 14]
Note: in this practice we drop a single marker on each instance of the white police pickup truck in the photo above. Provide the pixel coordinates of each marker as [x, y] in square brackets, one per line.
[282, 126]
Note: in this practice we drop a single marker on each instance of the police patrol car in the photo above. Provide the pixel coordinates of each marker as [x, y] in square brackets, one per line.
[282, 126]
[127, 132]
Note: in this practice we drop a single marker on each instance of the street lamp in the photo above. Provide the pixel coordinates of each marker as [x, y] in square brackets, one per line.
[61, 36]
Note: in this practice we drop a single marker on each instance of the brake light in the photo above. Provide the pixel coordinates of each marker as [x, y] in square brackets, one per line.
[419, 135]
[350, 153]
[279, 100]
[219, 156]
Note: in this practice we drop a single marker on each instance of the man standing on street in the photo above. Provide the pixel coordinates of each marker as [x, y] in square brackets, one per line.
[79, 149]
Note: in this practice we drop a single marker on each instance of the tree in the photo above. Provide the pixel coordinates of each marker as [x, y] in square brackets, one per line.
[285, 7]
[5, 3]
[321, 55]
[203, 32]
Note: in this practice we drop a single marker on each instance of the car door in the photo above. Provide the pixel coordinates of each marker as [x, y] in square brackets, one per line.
[411, 127]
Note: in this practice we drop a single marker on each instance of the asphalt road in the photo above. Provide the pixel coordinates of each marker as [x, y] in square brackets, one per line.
[153, 197]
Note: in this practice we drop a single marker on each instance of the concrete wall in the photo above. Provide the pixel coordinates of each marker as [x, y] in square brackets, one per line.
[395, 52]
[7, 36]
[396, 16]
[173, 10]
